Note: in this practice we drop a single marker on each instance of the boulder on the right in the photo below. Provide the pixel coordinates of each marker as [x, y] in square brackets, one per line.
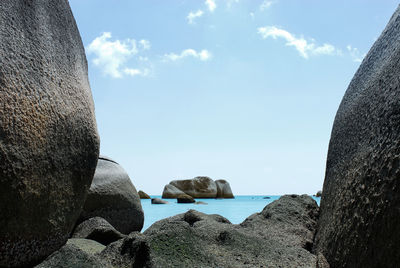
[359, 225]
[223, 189]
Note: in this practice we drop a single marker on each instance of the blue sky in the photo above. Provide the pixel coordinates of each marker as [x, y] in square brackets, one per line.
[242, 90]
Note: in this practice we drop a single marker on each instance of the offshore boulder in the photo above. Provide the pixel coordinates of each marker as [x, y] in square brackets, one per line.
[48, 135]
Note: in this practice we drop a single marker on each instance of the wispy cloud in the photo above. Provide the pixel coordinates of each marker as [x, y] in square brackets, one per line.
[211, 5]
[266, 4]
[304, 47]
[194, 15]
[111, 56]
[355, 53]
[202, 55]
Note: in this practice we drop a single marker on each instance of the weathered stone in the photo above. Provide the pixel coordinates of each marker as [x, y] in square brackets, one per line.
[113, 197]
[48, 135]
[158, 201]
[76, 253]
[97, 229]
[223, 189]
[184, 198]
[360, 216]
[199, 187]
[280, 236]
[143, 195]
[171, 191]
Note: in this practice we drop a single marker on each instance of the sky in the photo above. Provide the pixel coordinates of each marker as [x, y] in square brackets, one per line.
[242, 90]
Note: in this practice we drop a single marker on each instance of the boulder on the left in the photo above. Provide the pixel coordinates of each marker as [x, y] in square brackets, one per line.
[113, 197]
[48, 135]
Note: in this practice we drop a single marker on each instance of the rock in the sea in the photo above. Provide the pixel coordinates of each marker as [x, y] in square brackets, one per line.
[280, 236]
[223, 189]
[158, 201]
[201, 203]
[318, 194]
[184, 198]
[113, 197]
[48, 135]
[143, 195]
[76, 253]
[199, 187]
[359, 224]
[97, 229]
[171, 191]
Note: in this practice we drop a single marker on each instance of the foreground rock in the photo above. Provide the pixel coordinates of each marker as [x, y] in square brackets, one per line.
[113, 197]
[360, 220]
[76, 253]
[223, 189]
[184, 198]
[158, 201]
[143, 195]
[48, 135]
[280, 236]
[97, 229]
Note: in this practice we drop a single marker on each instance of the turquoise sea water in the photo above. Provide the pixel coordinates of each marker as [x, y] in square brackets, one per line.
[235, 210]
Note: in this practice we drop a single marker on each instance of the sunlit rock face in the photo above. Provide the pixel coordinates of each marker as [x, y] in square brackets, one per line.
[48, 135]
[359, 224]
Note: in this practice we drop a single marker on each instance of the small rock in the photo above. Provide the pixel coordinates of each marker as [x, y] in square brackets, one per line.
[318, 194]
[184, 198]
[201, 203]
[158, 201]
[143, 195]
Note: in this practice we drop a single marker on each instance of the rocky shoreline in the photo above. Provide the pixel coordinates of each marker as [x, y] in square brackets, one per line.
[62, 205]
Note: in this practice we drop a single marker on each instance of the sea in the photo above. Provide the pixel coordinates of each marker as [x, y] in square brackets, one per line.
[236, 210]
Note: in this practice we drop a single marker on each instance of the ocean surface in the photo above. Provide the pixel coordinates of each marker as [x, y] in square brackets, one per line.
[236, 210]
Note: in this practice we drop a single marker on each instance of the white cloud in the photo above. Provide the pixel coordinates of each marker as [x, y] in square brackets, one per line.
[304, 47]
[266, 4]
[211, 5]
[111, 56]
[145, 44]
[202, 55]
[252, 15]
[135, 72]
[355, 54]
[193, 15]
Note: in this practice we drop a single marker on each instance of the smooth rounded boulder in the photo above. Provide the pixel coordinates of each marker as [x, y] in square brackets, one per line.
[223, 189]
[184, 198]
[171, 191]
[113, 197]
[359, 224]
[199, 187]
[143, 195]
[48, 135]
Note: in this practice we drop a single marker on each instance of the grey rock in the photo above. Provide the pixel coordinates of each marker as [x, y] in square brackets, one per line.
[158, 201]
[280, 236]
[318, 194]
[171, 191]
[360, 217]
[76, 253]
[48, 135]
[97, 229]
[201, 203]
[184, 198]
[223, 189]
[143, 195]
[113, 197]
[199, 187]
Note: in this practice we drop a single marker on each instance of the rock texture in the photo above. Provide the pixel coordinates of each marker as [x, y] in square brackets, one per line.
[223, 189]
[360, 220]
[280, 236]
[48, 135]
[143, 195]
[113, 197]
[97, 229]
[158, 201]
[171, 191]
[199, 187]
[76, 253]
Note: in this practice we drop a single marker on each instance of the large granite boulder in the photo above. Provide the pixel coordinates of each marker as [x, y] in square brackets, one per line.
[171, 191]
[223, 189]
[113, 197]
[143, 195]
[97, 229]
[360, 216]
[280, 236]
[199, 187]
[48, 135]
